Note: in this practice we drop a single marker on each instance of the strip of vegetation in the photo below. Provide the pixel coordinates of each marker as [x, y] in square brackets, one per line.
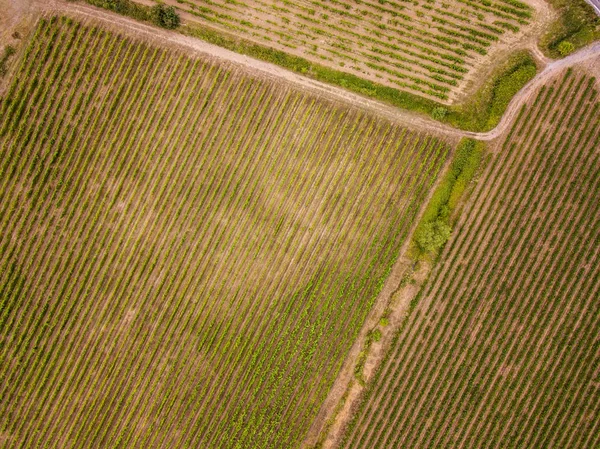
[9, 50]
[485, 109]
[435, 226]
[577, 26]
[316, 71]
[481, 114]
[160, 14]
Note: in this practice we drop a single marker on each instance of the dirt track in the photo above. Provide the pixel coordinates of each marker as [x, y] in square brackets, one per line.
[265, 69]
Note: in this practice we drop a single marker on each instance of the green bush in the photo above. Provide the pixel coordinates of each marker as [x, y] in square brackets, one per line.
[9, 50]
[506, 88]
[565, 48]
[486, 107]
[376, 335]
[435, 226]
[165, 16]
[161, 15]
[432, 236]
[439, 113]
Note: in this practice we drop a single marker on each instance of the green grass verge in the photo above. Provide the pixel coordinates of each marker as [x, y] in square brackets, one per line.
[486, 107]
[481, 113]
[300, 65]
[577, 25]
[435, 225]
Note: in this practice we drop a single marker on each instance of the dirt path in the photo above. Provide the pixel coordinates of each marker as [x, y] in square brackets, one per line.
[405, 118]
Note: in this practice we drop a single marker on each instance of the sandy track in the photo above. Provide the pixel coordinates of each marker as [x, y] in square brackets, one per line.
[403, 117]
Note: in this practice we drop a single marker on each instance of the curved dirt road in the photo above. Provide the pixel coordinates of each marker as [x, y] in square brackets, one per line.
[403, 117]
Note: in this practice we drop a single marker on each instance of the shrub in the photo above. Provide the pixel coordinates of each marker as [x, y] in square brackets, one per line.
[165, 16]
[439, 113]
[8, 52]
[565, 48]
[436, 223]
[432, 236]
[376, 335]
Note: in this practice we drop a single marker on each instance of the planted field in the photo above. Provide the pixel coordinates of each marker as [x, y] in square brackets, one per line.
[187, 252]
[502, 349]
[426, 47]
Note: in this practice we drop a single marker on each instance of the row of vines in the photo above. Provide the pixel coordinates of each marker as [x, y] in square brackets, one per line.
[422, 46]
[187, 252]
[502, 349]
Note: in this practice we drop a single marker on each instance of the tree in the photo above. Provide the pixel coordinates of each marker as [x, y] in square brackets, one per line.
[165, 16]
[432, 236]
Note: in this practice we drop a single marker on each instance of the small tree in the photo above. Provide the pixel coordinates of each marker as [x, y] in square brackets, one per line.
[566, 48]
[432, 236]
[165, 16]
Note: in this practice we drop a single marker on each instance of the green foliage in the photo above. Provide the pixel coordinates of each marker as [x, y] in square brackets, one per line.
[432, 236]
[9, 50]
[484, 111]
[376, 335]
[160, 14]
[578, 24]
[436, 224]
[565, 48]
[506, 88]
[165, 16]
[439, 113]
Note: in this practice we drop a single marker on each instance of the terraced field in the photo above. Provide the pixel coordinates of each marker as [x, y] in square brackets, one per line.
[502, 349]
[427, 47]
[187, 252]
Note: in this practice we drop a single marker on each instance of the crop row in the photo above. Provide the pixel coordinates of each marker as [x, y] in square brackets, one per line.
[188, 252]
[500, 351]
[350, 35]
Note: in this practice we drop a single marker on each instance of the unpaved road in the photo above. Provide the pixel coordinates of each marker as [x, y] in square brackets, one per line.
[406, 118]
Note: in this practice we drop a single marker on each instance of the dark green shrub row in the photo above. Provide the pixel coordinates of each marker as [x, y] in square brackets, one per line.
[485, 109]
[161, 15]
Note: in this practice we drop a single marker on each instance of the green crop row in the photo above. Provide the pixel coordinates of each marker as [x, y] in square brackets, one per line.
[189, 251]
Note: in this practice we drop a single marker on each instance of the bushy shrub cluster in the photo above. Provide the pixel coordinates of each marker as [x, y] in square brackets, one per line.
[435, 226]
[160, 14]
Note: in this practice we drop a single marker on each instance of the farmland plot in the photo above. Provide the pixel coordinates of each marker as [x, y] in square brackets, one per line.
[502, 350]
[187, 252]
[427, 47]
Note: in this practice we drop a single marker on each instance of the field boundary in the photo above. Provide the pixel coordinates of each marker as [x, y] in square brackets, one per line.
[403, 117]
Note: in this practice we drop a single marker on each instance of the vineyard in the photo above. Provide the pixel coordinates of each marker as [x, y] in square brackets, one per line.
[187, 252]
[502, 347]
[427, 47]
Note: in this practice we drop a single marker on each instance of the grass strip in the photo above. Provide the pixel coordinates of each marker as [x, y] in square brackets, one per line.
[435, 226]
